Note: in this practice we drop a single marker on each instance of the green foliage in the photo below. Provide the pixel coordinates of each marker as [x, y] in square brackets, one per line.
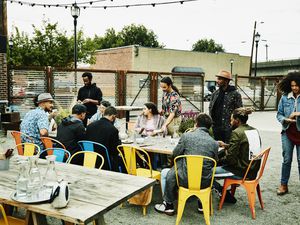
[205, 45]
[62, 113]
[49, 47]
[185, 124]
[129, 35]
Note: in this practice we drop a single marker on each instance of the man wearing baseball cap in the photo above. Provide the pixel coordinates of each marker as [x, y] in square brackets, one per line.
[223, 102]
[36, 123]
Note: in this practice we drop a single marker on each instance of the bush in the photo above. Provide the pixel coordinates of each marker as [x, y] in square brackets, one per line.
[186, 124]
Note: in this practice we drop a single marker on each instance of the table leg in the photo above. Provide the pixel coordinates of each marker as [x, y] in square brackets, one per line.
[100, 221]
[38, 219]
[127, 119]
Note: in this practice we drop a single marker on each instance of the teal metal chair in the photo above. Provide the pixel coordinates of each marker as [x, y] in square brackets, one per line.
[62, 155]
[99, 148]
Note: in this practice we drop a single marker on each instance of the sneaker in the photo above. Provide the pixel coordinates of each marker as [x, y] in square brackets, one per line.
[166, 208]
[229, 198]
[200, 209]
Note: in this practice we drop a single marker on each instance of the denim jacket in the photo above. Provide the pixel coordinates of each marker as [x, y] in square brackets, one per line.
[286, 107]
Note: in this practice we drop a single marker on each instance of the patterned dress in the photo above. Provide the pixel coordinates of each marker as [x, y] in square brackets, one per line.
[171, 103]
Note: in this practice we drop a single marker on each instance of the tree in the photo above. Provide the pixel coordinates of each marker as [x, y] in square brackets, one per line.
[205, 45]
[129, 35]
[49, 47]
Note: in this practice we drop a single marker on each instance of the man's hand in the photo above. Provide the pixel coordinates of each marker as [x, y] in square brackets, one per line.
[87, 100]
[294, 115]
[288, 120]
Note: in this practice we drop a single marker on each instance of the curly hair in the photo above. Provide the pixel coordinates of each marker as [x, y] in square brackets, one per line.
[242, 113]
[285, 85]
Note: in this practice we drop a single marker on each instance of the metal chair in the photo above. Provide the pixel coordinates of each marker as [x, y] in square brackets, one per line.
[249, 185]
[17, 135]
[28, 149]
[96, 147]
[194, 173]
[129, 155]
[89, 159]
[9, 220]
[52, 143]
[62, 155]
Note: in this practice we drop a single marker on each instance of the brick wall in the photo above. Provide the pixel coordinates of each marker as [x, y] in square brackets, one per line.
[3, 77]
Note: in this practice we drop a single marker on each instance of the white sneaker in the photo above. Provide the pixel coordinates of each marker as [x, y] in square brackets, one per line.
[165, 208]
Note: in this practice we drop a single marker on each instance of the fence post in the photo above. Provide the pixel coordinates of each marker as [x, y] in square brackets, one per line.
[262, 93]
[153, 87]
[121, 90]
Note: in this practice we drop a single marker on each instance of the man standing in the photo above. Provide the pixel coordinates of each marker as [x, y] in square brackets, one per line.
[89, 95]
[36, 122]
[198, 142]
[71, 130]
[104, 132]
[223, 102]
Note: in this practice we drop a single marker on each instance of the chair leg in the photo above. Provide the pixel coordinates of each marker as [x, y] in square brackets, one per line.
[233, 188]
[144, 210]
[251, 198]
[206, 208]
[260, 197]
[211, 205]
[225, 186]
[180, 208]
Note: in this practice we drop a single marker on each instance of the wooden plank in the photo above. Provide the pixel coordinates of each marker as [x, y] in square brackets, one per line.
[92, 192]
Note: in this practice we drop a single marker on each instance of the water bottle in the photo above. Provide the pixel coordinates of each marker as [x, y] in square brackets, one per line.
[35, 182]
[22, 181]
[51, 176]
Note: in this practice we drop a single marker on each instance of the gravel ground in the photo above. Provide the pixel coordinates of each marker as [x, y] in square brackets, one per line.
[279, 210]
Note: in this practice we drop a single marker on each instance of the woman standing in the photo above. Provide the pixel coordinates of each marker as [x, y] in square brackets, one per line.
[149, 121]
[171, 105]
[289, 116]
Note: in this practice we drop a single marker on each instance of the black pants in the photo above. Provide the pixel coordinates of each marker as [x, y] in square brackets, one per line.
[221, 134]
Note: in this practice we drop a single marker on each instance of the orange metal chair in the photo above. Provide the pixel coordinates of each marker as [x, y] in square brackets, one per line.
[194, 173]
[9, 220]
[250, 185]
[17, 135]
[52, 143]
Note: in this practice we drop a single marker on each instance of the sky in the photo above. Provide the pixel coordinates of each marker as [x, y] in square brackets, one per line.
[179, 26]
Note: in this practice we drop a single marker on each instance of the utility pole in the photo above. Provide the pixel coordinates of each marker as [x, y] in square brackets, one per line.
[267, 58]
[252, 47]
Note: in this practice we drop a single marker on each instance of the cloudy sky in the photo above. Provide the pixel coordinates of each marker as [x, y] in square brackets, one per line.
[178, 26]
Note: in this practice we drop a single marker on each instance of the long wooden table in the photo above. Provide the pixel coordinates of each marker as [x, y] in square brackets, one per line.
[92, 193]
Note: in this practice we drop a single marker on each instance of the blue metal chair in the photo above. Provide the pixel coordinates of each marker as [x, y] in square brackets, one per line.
[62, 155]
[96, 147]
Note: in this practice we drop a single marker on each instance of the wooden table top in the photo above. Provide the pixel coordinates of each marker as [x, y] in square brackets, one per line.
[92, 192]
[128, 108]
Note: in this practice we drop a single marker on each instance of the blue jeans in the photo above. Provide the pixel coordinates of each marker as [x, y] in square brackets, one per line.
[287, 154]
[163, 179]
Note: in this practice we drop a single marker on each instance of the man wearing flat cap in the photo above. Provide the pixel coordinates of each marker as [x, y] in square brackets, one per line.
[223, 102]
[36, 123]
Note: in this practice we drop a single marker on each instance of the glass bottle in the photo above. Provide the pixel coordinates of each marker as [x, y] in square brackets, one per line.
[51, 175]
[35, 182]
[21, 185]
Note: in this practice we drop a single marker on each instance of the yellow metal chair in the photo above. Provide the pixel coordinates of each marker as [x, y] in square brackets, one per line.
[52, 143]
[194, 173]
[9, 220]
[28, 149]
[89, 159]
[17, 135]
[129, 155]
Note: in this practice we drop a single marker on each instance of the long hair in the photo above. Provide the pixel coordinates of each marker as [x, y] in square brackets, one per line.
[285, 85]
[152, 106]
[242, 113]
[169, 82]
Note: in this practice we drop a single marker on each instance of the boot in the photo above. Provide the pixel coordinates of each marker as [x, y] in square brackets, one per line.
[283, 189]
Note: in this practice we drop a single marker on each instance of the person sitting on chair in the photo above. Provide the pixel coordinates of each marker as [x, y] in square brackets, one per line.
[198, 142]
[71, 129]
[244, 144]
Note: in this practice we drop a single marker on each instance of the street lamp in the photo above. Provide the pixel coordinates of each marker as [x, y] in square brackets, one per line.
[256, 39]
[231, 65]
[75, 12]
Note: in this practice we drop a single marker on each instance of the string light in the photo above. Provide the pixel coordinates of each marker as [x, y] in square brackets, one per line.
[90, 4]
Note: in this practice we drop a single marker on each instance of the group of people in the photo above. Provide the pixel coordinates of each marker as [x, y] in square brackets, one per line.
[227, 119]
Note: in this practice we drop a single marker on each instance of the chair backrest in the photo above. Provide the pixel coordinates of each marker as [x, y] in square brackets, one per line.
[52, 143]
[191, 129]
[194, 169]
[17, 135]
[262, 155]
[130, 154]
[95, 146]
[90, 158]
[62, 155]
[28, 149]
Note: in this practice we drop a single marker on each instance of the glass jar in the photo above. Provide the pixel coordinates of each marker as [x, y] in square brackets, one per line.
[35, 181]
[22, 181]
[51, 176]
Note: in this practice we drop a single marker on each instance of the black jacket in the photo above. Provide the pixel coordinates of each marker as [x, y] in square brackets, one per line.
[104, 132]
[93, 92]
[69, 132]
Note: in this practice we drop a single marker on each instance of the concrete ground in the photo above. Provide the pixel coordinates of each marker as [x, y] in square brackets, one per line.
[279, 210]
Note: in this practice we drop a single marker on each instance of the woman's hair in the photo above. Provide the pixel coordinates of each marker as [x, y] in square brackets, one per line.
[168, 81]
[152, 106]
[242, 113]
[285, 84]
